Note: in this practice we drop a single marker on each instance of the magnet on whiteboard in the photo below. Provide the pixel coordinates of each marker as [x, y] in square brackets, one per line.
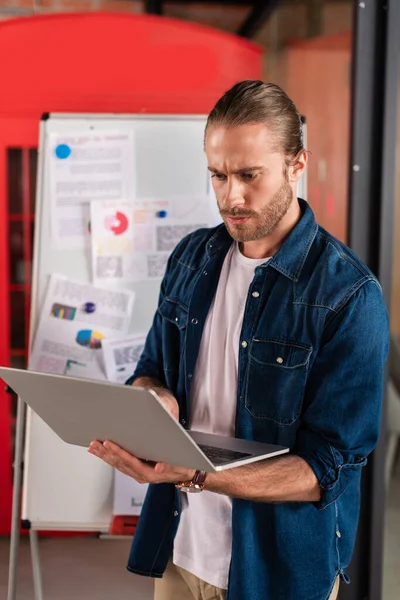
[63, 151]
[162, 214]
[89, 307]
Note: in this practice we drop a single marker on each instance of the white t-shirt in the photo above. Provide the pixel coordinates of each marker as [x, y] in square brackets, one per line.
[204, 538]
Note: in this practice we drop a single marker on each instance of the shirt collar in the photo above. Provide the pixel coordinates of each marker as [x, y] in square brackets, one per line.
[291, 256]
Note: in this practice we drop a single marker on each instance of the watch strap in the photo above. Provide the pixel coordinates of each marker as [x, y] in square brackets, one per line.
[199, 478]
[196, 484]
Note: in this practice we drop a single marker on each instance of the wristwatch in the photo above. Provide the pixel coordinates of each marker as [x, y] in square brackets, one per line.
[196, 485]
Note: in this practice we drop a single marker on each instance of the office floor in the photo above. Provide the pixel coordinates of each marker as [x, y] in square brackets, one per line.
[93, 569]
[77, 569]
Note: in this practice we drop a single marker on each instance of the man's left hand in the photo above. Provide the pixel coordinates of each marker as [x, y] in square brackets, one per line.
[139, 470]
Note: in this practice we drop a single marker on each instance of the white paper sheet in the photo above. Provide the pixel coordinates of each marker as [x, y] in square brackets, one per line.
[68, 340]
[132, 241]
[122, 355]
[128, 495]
[112, 235]
[159, 224]
[84, 167]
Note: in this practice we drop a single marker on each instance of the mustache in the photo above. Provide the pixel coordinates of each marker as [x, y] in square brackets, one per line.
[236, 212]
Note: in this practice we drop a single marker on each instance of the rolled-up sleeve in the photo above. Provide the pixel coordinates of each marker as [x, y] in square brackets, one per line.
[343, 397]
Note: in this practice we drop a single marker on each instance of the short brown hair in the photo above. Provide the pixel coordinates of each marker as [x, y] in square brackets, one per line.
[253, 101]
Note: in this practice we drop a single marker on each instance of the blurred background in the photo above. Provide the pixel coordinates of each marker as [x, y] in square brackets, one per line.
[338, 61]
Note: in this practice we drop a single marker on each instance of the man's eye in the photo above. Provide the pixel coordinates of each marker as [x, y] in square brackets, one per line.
[219, 176]
[249, 176]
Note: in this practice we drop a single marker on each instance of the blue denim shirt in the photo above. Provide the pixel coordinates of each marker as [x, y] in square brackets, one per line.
[322, 311]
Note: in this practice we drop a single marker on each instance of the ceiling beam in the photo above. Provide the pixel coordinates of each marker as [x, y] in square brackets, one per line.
[154, 7]
[258, 16]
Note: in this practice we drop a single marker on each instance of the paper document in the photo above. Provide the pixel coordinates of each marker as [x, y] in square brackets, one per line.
[112, 235]
[132, 241]
[84, 167]
[121, 356]
[128, 495]
[75, 320]
[160, 224]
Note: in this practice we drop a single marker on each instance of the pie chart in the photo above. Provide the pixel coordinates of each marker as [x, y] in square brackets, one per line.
[117, 223]
[89, 339]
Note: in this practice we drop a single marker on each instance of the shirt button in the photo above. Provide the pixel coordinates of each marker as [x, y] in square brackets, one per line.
[176, 513]
[338, 534]
[205, 273]
[279, 360]
[244, 344]
[183, 421]
[190, 376]
[194, 321]
[255, 294]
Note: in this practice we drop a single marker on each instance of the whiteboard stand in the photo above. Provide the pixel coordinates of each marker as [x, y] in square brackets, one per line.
[37, 575]
[16, 522]
[16, 503]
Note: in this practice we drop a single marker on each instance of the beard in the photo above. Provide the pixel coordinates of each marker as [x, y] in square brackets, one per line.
[261, 222]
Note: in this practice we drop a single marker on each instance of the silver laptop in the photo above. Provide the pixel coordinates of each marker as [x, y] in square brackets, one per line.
[82, 410]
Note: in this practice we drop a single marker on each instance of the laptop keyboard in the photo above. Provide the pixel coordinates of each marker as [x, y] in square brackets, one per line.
[221, 456]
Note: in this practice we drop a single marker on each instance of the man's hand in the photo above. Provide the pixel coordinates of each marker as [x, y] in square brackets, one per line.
[168, 400]
[166, 397]
[141, 471]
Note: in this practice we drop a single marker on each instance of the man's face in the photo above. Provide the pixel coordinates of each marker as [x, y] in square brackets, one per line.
[249, 179]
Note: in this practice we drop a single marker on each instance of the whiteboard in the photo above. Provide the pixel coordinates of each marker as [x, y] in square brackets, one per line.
[64, 487]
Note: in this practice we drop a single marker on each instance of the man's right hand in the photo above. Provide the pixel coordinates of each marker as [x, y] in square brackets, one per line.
[168, 399]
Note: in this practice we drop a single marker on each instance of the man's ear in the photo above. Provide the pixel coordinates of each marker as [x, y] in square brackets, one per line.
[298, 166]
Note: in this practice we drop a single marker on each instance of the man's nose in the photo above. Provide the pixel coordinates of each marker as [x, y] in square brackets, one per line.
[234, 196]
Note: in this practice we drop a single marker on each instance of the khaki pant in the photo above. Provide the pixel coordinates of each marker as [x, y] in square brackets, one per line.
[178, 584]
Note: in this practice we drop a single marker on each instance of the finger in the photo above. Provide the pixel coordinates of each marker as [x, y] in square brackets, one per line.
[134, 467]
[97, 449]
[111, 455]
[112, 447]
[104, 456]
[111, 458]
[113, 461]
[160, 468]
[115, 450]
[95, 445]
[124, 457]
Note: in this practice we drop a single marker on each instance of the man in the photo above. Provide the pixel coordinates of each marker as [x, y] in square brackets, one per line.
[269, 329]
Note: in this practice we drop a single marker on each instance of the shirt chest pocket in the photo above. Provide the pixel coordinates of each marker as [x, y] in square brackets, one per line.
[276, 378]
[174, 312]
